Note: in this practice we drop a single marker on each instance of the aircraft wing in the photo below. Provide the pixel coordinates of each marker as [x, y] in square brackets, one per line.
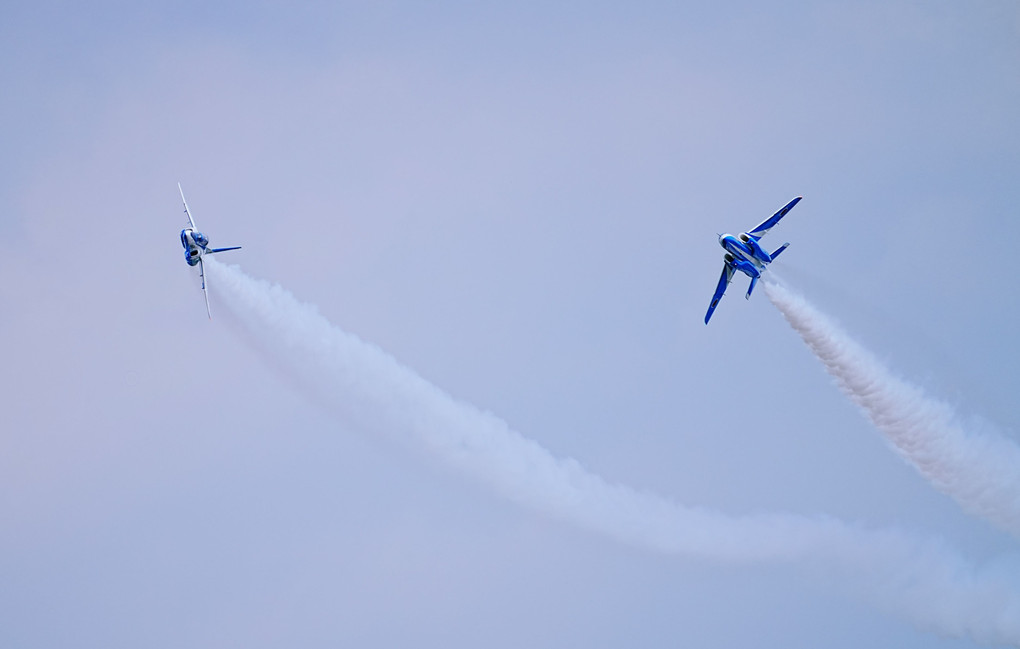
[205, 291]
[720, 290]
[186, 211]
[766, 225]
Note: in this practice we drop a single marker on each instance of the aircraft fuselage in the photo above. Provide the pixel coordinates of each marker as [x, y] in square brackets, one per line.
[195, 244]
[747, 256]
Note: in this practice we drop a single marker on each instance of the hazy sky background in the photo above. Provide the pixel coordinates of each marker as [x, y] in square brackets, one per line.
[520, 203]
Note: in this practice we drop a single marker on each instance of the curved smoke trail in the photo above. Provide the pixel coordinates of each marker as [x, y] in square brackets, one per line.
[978, 468]
[370, 390]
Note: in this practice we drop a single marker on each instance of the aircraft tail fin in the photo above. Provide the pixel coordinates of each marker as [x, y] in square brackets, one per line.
[209, 252]
[754, 280]
[779, 250]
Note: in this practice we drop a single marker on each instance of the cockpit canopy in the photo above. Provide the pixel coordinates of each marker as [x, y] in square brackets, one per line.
[199, 238]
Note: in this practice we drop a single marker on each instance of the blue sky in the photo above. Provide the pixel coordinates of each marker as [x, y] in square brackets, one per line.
[521, 204]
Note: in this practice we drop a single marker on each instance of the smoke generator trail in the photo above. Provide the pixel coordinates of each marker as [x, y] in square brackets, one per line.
[369, 391]
[980, 469]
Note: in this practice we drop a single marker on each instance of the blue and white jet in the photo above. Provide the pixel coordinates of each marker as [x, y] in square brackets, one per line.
[744, 253]
[196, 245]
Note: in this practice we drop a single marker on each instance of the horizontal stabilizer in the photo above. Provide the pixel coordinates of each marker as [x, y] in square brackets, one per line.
[754, 280]
[779, 250]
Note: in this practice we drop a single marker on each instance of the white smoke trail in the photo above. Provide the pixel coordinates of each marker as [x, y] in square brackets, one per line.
[923, 581]
[979, 468]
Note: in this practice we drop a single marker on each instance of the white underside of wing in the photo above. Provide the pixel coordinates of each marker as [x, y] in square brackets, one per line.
[205, 291]
[186, 210]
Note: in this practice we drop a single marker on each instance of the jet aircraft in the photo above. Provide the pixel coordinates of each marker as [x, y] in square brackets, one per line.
[745, 254]
[196, 245]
